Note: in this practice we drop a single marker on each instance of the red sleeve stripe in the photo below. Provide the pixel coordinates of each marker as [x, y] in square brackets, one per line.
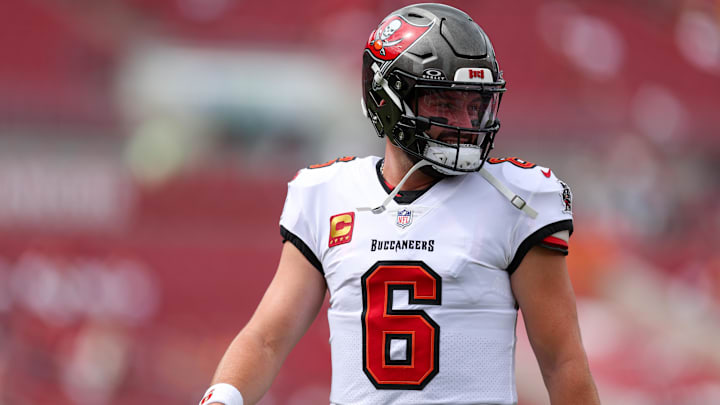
[551, 240]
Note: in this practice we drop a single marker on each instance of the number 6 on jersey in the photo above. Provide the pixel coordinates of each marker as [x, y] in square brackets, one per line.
[400, 346]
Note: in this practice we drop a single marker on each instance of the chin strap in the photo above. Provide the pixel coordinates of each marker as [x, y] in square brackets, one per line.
[514, 199]
[382, 207]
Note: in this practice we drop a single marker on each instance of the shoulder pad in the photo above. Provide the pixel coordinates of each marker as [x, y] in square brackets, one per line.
[320, 173]
[524, 175]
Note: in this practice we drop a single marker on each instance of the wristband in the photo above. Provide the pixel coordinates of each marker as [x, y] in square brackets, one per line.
[222, 393]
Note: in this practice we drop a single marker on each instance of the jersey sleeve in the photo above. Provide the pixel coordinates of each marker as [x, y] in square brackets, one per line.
[552, 199]
[297, 223]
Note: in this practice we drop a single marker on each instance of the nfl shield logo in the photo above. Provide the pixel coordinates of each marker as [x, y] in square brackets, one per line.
[404, 218]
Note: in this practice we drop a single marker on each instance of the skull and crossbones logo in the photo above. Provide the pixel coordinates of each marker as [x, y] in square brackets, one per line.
[379, 43]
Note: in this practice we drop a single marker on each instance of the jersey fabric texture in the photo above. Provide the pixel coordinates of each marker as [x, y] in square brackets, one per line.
[421, 309]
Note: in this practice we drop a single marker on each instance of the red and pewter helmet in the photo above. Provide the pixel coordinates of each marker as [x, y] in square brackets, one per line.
[432, 50]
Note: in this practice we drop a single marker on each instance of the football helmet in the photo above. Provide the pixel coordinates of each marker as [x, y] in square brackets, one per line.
[432, 85]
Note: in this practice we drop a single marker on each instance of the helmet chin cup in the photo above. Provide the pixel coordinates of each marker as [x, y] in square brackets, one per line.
[469, 158]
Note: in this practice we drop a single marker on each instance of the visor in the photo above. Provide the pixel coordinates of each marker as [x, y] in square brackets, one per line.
[457, 109]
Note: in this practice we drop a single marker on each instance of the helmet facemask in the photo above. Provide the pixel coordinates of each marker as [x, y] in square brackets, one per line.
[450, 124]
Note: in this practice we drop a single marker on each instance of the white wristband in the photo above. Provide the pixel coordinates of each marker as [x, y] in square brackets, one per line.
[222, 393]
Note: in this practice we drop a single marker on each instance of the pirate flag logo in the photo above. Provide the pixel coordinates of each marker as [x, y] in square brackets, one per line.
[393, 37]
[566, 197]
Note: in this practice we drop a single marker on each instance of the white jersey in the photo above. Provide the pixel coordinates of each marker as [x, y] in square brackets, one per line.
[421, 309]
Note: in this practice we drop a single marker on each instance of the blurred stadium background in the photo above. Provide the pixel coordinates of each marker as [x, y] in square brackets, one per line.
[145, 146]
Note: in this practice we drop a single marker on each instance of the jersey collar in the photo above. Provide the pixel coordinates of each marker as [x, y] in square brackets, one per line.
[405, 196]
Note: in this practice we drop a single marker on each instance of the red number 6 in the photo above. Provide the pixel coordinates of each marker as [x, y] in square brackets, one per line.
[381, 325]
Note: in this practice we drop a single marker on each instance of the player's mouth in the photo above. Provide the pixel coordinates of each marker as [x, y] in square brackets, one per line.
[452, 138]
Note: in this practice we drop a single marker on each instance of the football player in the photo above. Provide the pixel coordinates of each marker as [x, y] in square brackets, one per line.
[428, 252]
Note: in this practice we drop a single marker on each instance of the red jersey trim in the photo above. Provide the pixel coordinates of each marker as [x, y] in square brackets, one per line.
[551, 240]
